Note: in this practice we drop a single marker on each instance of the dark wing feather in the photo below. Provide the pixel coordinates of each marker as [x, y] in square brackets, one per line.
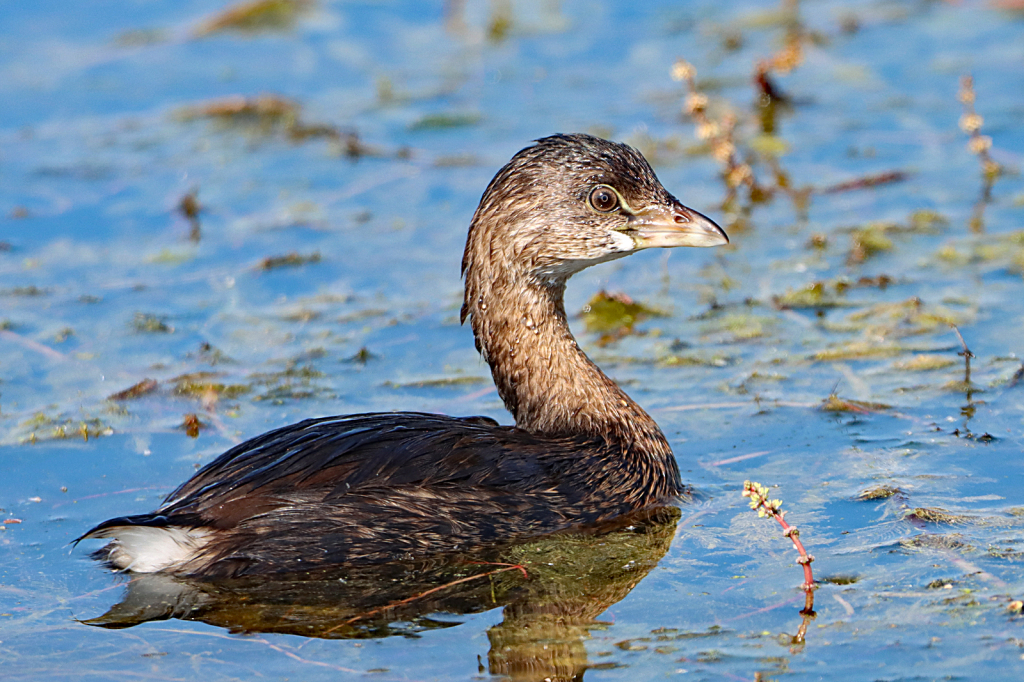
[340, 454]
[379, 487]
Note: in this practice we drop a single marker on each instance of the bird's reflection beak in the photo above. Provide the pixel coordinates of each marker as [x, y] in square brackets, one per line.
[667, 226]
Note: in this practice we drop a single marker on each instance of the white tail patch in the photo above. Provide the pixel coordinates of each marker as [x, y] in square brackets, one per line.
[148, 549]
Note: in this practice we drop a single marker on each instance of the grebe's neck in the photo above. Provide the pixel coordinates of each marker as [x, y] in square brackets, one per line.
[548, 384]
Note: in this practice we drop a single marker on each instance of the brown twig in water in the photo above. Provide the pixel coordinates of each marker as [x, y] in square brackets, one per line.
[140, 389]
[758, 495]
[866, 182]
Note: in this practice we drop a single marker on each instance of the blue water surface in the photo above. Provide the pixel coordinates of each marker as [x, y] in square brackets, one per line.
[102, 286]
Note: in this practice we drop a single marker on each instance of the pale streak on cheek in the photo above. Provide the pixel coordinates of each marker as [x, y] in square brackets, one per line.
[622, 242]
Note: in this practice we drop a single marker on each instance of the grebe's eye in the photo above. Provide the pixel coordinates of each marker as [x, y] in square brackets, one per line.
[603, 199]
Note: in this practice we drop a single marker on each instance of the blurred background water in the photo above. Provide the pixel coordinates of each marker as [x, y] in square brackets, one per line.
[261, 208]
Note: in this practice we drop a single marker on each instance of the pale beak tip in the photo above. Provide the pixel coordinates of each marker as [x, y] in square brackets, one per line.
[710, 233]
[724, 237]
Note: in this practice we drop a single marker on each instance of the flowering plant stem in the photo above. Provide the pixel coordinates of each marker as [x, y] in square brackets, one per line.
[758, 495]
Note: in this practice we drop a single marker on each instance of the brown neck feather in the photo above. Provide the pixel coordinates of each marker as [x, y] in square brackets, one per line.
[548, 384]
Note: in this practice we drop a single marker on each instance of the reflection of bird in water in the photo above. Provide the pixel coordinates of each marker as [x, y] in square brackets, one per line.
[547, 617]
[373, 488]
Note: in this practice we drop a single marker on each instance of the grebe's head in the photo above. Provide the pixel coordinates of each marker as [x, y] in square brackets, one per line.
[571, 201]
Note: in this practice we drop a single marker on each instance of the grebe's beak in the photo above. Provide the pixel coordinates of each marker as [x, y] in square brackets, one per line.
[662, 226]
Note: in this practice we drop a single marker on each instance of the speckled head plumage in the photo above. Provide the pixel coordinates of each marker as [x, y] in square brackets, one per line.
[568, 202]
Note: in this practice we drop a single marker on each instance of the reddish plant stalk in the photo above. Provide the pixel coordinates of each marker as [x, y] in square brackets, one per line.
[759, 501]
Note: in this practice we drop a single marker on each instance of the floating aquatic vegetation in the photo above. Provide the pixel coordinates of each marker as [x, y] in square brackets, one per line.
[834, 403]
[144, 387]
[814, 295]
[301, 315]
[190, 208]
[191, 425]
[924, 362]
[910, 317]
[254, 16]
[937, 515]
[445, 120]
[947, 541]
[868, 241]
[43, 427]
[290, 260]
[817, 241]
[827, 294]
[145, 323]
[31, 290]
[360, 315]
[171, 257]
[769, 145]
[962, 386]
[501, 21]
[615, 314]
[740, 326]
[361, 356]
[991, 251]
[926, 221]
[210, 355]
[1006, 554]
[295, 382]
[202, 385]
[880, 492]
[744, 385]
[839, 579]
[140, 37]
[267, 110]
[873, 238]
[437, 383]
[294, 371]
[269, 114]
[859, 350]
[696, 360]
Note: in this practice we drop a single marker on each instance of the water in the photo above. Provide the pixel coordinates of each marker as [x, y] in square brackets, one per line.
[103, 286]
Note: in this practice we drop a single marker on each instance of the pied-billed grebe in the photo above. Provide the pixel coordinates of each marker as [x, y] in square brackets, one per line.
[377, 487]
